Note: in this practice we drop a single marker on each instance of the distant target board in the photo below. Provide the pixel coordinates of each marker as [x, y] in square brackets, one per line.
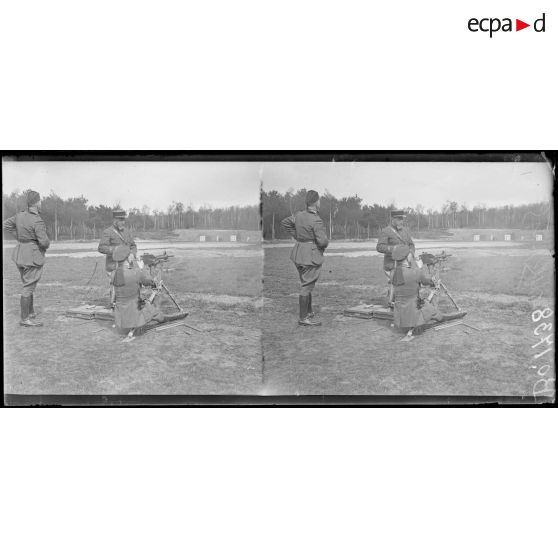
[507, 237]
[233, 237]
[476, 237]
[538, 237]
[202, 238]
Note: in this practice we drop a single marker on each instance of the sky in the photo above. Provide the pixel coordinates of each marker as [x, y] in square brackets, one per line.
[426, 183]
[155, 184]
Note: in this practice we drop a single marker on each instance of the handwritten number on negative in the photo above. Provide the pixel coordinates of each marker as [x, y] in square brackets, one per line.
[544, 326]
[539, 314]
[541, 354]
[547, 340]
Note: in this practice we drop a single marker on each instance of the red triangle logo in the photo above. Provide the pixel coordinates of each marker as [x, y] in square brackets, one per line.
[519, 25]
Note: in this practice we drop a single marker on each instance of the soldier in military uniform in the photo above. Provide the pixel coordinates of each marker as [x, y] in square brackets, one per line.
[395, 234]
[409, 313]
[115, 235]
[130, 311]
[29, 253]
[307, 228]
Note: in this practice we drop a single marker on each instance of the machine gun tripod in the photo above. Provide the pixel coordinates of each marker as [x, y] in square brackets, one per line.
[155, 265]
[434, 263]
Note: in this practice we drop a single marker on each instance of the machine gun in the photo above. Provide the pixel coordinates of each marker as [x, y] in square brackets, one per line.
[433, 260]
[152, 260]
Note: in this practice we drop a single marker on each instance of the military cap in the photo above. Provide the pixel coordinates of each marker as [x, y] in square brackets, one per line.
[32, 197]
[398, 213]
[312, 197]
[121, 252]
[119, 214]
[400, 252]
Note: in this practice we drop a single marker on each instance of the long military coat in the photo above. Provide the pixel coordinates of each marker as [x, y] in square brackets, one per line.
[127, 311]
[308, 229]
[30, 230]
[406, 312]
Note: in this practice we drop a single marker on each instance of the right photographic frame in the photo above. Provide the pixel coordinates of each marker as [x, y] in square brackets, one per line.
[408, 274]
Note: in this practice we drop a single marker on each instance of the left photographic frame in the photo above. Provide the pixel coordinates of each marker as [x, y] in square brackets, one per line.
[130, 275]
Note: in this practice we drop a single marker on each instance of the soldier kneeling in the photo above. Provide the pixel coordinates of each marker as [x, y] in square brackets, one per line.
[407, 278]
[130, 311]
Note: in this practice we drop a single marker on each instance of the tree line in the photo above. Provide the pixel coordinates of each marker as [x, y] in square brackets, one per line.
[74, 219]
[349, 217]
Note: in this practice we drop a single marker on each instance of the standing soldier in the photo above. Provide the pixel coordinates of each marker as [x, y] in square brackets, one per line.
[396, 234]
[307, 228]
[116, 235]
[29, 254]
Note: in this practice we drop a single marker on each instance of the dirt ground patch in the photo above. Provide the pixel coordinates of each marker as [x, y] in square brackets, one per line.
[348, 356]
[216, 251]
[71, 356]
[143, 245]
[484, 249]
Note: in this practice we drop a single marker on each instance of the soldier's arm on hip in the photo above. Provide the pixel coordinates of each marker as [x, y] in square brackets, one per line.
[41, 234]
[289, 225]
[9, 225]
[320, 234]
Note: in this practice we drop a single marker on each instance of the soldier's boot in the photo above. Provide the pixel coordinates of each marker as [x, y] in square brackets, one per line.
[25, 319]
[24, 307]
[302, 307]
[304, 318]
[32, 313]
[310, 311]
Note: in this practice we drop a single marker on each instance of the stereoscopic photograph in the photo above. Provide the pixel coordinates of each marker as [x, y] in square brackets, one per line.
[279, 277]
[131, 277]
[409, 278]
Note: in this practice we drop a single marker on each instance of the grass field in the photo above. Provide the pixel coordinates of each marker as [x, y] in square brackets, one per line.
[498, 285]
[220, 287]
[499, 288]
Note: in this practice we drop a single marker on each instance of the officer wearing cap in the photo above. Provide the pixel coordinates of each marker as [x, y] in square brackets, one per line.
[396, 234]
[29, 254]
[407, 279]
[130, 311]
[115, 235]
[307, 228]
